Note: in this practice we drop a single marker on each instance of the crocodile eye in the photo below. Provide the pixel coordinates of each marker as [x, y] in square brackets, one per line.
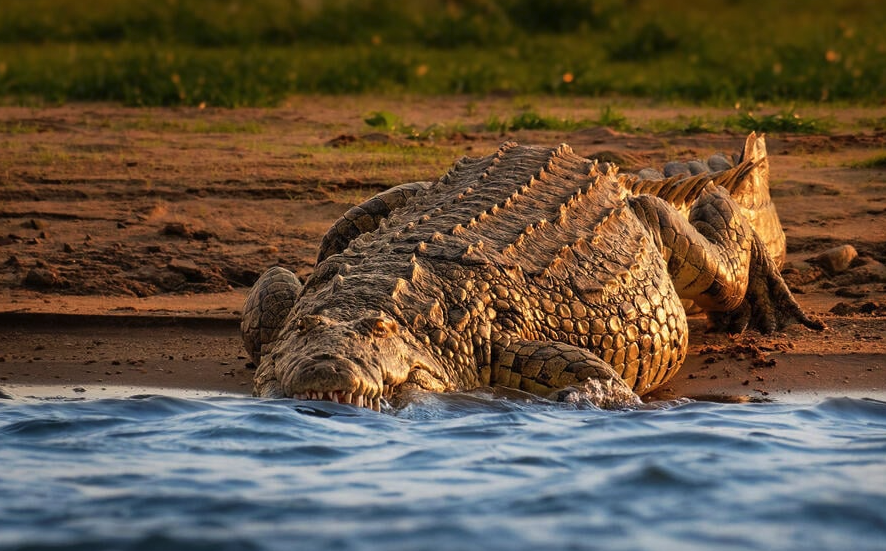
[382, 327]
[307, 323]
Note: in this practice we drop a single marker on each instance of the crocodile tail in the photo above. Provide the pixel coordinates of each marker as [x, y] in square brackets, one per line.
[747, 182]
[751, 193]
[679, 190]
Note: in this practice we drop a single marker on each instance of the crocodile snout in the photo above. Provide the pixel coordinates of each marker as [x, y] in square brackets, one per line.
[336, 379]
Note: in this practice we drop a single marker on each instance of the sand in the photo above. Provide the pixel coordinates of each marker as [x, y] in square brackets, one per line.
[129, 237]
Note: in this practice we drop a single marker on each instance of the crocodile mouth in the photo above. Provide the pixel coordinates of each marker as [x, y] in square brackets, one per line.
[334, 378]
[368, 400]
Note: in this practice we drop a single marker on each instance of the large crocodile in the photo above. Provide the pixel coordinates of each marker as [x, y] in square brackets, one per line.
[531, 268]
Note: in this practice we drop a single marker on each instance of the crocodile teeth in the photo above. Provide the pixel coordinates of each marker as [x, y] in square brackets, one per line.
[339, 397]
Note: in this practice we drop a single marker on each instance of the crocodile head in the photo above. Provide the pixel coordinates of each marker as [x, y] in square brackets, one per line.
[357, 358]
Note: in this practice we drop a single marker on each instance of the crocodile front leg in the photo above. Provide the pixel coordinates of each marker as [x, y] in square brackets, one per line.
[366, 217]
[559, 370]
[265, 310]
[716, 259]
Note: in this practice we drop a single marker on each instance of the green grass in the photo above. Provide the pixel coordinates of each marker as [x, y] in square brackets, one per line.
[688, 125]
[785, 122]
[389, 122]
[233, 53]
[877, 161]
[532, 120]
[876, 123]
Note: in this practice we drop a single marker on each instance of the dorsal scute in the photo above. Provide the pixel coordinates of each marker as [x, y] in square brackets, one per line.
[532, 202]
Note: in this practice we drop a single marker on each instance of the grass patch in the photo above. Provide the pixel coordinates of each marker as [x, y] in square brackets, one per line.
[20, 127]
[695, 124]
[877, 161]
[787, 121]
[389, 122]
[227, 53]
[611, 118]
[531, 120]
[878, 124]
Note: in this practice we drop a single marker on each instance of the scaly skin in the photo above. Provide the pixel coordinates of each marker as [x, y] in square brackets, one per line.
[532, 268]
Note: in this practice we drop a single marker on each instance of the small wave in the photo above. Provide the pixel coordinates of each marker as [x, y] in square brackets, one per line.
[441, 472]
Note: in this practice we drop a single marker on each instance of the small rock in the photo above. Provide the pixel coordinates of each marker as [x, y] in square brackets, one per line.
[674, 168]
[187, 268]
[67, 248]
[202, 235]
[650, 174]
[78, 389]
[697, 167]
[42, 277]
[837, 259]
[177, 228]
[719, 162]
[35, 224]
[342, 140]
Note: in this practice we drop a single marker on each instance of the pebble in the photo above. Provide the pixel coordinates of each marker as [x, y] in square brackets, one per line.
[176, 228]
[837, 259]
[42, 277]
[674, 168]
[719, 162]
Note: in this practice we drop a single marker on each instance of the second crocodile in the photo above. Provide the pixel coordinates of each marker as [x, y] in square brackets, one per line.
[532, 268]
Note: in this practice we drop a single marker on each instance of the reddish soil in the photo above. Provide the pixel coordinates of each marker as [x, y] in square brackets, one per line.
[129, 237]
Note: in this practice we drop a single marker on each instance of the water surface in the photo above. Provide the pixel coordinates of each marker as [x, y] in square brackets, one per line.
[446, 472]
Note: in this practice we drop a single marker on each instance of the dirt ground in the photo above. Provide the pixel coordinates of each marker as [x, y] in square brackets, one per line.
[129, 237]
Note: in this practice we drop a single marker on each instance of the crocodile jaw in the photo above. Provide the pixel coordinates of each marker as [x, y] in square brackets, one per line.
[362, 362]
[337, 379]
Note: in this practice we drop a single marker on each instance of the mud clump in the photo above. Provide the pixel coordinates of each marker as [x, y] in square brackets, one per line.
[189, 269]
[186, 231]
[868, 308]
[43, 277]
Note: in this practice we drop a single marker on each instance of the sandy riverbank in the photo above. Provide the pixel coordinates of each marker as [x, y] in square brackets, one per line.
[128, 237]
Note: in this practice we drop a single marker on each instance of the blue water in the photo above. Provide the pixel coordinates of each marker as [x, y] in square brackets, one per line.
[446, 472]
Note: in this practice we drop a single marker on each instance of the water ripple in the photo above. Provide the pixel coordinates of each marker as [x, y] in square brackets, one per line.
[443, 472]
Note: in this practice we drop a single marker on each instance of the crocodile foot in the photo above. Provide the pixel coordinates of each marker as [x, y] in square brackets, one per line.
[768, 304]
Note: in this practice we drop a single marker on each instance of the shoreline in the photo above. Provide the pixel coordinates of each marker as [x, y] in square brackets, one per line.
[49, 354]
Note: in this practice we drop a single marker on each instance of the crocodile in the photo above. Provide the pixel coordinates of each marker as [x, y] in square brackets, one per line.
[532, 268]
